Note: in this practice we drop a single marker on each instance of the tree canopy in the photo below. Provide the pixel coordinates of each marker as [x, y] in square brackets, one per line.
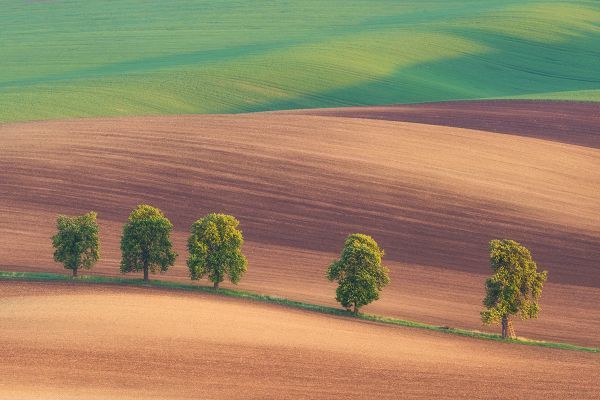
[146, 242]
[359, 272]
[215, 249]
[515, 285]
[76, 243]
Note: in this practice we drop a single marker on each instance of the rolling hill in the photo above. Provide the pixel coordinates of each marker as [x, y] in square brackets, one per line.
[432, 197]
[129, 343]
[101, 58]
[433, 126]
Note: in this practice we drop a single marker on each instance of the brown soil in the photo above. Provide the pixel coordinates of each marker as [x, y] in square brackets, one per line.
[561, 121]
[71, 342]
[431, 196]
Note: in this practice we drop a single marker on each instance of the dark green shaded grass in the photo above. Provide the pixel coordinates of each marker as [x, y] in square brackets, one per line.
[44, 276]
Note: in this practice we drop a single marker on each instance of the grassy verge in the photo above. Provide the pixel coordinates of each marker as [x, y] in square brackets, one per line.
[43, 276]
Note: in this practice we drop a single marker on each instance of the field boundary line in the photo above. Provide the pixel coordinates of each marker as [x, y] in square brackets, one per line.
[264, 298]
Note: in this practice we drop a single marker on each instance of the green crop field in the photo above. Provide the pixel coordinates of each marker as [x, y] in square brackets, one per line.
[131, 57]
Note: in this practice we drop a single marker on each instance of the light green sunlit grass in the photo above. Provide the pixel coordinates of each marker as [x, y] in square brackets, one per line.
[72, 58]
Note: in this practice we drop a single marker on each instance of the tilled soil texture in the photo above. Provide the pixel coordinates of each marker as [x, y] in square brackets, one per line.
[97, 342]
[431, 196]
[561, 121]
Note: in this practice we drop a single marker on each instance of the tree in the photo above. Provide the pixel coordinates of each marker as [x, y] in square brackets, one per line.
[146, 243]
[215, 249]
[359, 272]
[515, 286]
[76, 243]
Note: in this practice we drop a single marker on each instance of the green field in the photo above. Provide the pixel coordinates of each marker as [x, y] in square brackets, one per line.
[129, 57]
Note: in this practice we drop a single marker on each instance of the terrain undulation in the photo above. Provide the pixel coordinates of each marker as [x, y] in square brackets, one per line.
[128, 343]
[433, 126]
[96, 58]
[432, 196]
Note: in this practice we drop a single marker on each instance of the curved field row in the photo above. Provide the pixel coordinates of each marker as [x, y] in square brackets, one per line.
[73, 59]
[431, 196]
[106, 342]
[560, 121]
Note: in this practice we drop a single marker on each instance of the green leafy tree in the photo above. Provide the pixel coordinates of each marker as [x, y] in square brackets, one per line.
[146, 242]
[515, 286]
[359, 272]
[215, 249]
[76, 243]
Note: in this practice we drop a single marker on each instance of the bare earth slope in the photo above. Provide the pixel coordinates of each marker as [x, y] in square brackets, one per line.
[431, 196]
[130, 343]
[562, 121]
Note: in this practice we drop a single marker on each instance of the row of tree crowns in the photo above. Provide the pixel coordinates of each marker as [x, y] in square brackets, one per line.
[215, 243]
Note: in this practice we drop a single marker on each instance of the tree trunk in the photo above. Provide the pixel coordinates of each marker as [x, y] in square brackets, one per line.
[145, 271]
[215, 285]
[355, 310]
[74, 272]
[504, 327]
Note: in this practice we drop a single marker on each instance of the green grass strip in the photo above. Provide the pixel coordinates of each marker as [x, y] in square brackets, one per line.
[45, 276]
